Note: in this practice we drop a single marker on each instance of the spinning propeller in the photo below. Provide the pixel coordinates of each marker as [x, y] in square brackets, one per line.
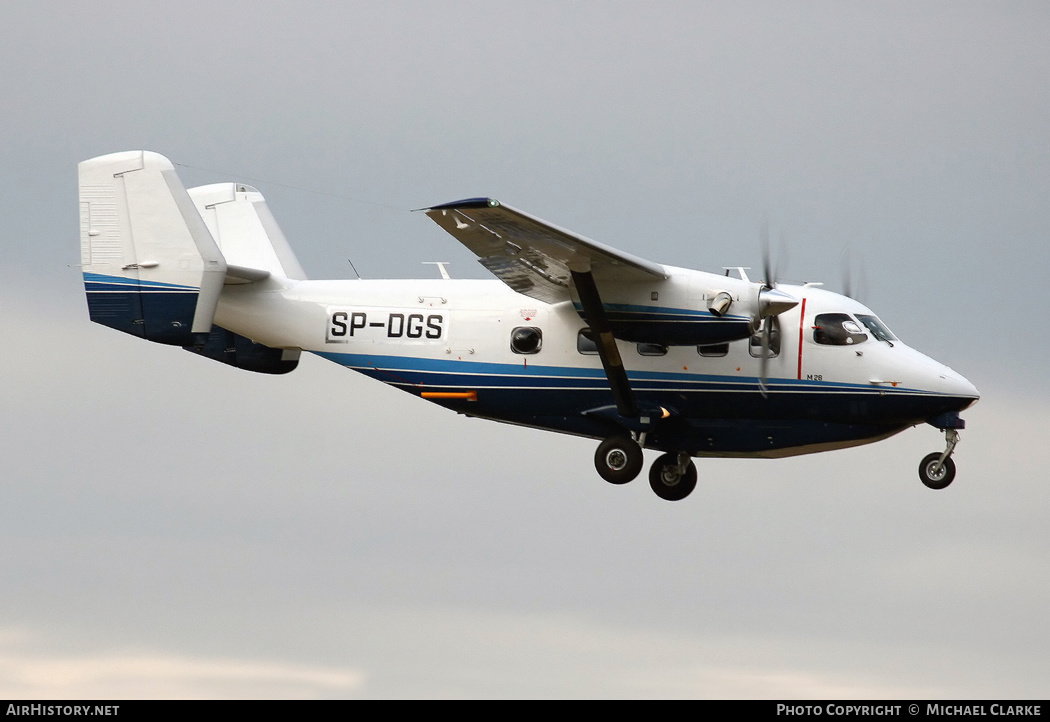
[852, 286]
[771, 302]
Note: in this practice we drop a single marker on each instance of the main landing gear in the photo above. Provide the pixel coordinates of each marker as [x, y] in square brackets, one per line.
[619, 460]
[937, 470]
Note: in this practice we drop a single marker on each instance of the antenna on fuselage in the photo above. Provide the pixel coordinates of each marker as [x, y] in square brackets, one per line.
[355, 269]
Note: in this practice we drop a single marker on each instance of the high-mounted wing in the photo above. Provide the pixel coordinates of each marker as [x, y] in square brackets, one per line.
[532, 256]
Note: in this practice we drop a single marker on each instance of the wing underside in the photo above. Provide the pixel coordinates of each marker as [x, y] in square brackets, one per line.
[533, 257]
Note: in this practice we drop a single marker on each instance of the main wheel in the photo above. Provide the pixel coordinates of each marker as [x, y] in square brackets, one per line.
[943, 477]
[668, 482]
[618, 459]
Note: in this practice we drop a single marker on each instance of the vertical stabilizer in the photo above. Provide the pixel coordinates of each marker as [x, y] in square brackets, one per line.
[247, 233]
[151, 267]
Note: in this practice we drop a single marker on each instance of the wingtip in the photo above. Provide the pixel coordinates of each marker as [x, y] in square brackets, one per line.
[465, 203]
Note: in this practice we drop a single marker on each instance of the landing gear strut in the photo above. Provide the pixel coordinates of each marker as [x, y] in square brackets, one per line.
[937, 470]
[673, 476]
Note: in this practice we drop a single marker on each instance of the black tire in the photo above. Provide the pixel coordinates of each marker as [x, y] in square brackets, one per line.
[618, 459]
[941, 480]
[667, 482]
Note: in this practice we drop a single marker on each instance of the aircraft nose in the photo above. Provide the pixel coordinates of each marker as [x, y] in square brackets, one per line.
[937, 379]
[956, 384]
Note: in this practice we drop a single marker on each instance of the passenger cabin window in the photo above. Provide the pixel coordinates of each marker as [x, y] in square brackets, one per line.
[755, 342]
[713, 349]
[652, 349]
[526, 340]
[837, 329]
[585, 342]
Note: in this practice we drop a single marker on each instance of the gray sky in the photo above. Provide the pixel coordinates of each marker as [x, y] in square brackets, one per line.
[174, 527]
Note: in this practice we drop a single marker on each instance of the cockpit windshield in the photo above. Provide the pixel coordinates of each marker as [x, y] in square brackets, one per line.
[878, 328]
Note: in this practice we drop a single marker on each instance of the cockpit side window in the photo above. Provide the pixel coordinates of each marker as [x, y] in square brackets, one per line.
[837, 329]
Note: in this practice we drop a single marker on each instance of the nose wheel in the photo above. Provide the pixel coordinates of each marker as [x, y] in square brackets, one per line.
[673, 476]
[937, 470]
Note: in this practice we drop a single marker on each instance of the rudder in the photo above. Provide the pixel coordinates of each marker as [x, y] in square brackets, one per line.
[245, 230]
[151, 267]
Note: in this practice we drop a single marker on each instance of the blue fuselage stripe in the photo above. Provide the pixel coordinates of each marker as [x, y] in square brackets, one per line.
[470, 374]
[709, 414]
[95, 282]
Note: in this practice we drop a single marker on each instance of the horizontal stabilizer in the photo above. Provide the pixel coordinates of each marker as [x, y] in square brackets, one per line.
[240, 274]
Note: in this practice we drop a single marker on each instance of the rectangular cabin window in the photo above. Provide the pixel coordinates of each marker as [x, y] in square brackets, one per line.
[652, 349]
[585, 342]
[755, 342]
[713, 349]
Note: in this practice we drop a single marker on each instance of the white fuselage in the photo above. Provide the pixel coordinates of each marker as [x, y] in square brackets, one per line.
[433, 337]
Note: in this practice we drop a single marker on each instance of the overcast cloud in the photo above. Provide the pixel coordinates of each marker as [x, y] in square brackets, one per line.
[174, 527]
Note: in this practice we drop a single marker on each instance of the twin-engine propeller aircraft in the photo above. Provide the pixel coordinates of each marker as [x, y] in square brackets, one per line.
[575, 336]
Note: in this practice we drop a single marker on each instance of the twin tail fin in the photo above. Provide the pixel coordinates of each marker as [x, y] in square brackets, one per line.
[153, 263]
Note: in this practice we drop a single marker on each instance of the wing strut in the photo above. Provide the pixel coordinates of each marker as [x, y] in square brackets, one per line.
[594, 313]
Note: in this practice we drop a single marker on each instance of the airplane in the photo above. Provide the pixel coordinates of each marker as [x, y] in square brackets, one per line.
[572, 336]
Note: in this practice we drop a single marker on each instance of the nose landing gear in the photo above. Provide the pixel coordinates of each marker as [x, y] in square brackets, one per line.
[937, 470]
